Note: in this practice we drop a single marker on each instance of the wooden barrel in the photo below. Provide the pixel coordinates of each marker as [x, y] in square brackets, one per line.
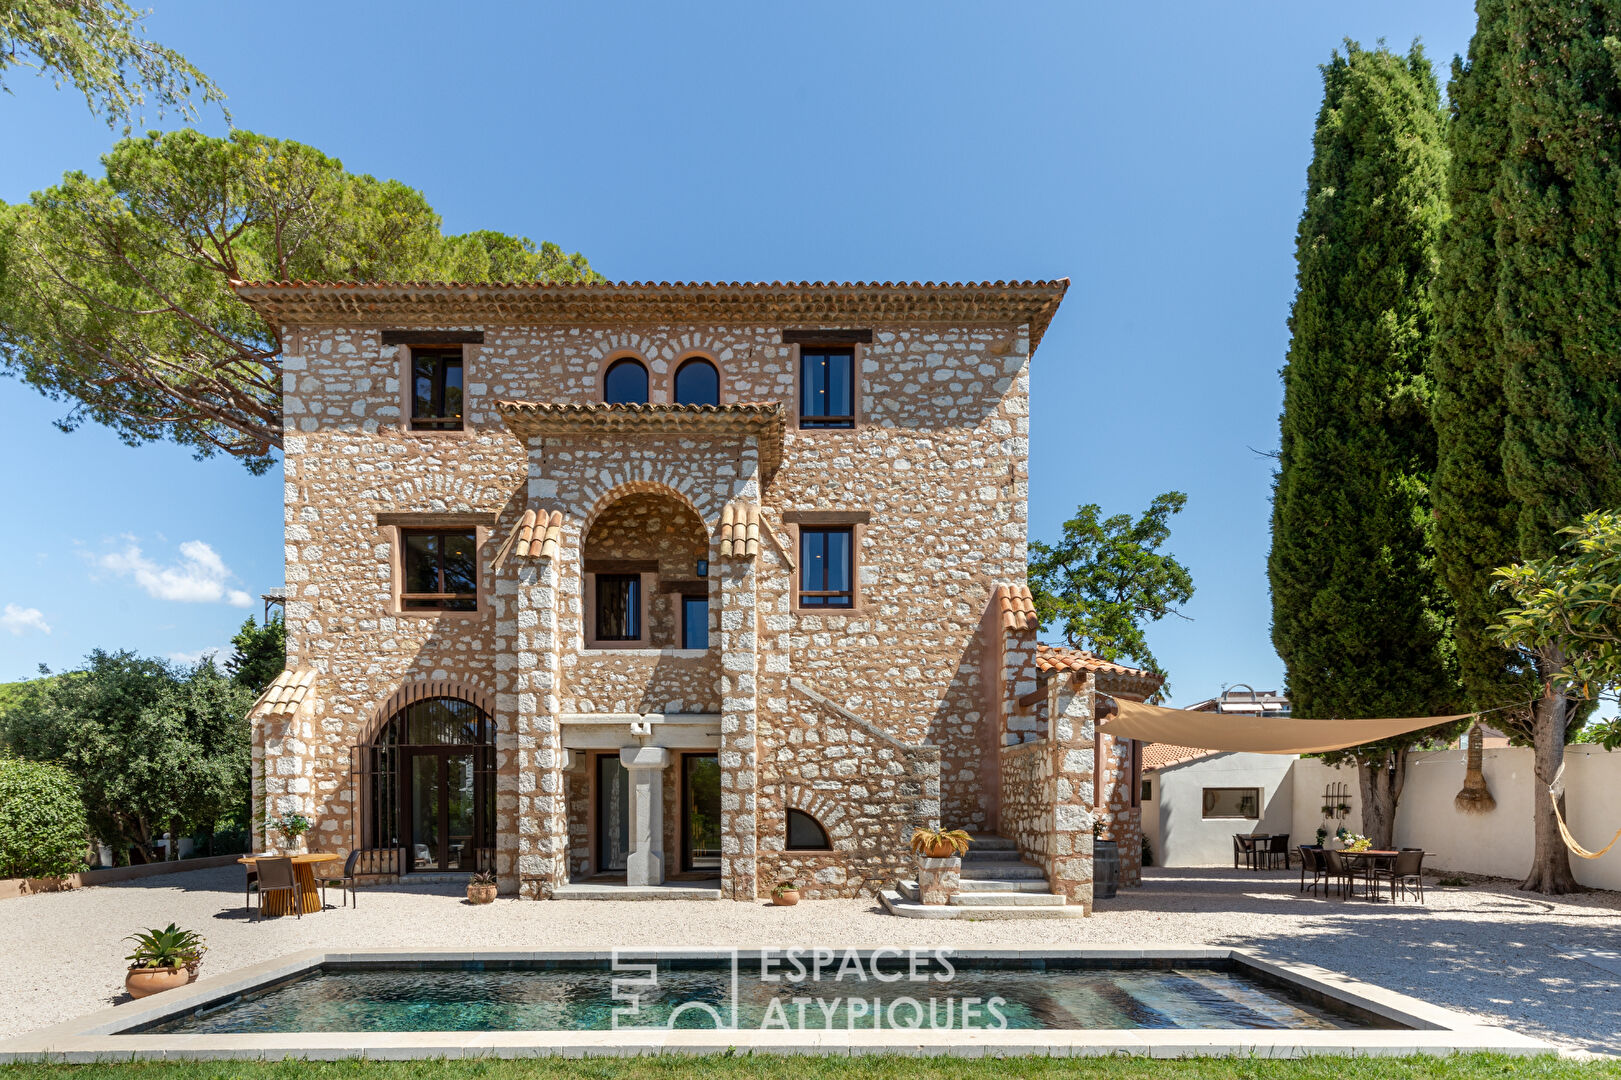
[1105, 869]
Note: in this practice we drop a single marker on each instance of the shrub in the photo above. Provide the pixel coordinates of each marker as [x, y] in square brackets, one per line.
[42, 820]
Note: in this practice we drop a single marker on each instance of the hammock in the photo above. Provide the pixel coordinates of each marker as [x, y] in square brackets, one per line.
[1554, 790]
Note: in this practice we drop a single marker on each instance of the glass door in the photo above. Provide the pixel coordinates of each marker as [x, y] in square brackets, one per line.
[461, 802]
[700, 812]
[613, 814]
[427, 830]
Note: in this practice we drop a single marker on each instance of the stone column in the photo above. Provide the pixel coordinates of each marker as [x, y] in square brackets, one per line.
[541, 840]
[1069, 716]
[739, 747]
[646, 764]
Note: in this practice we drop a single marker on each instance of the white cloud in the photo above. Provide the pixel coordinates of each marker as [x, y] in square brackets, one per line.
[20, 620]
[199, 576]
[218, 652]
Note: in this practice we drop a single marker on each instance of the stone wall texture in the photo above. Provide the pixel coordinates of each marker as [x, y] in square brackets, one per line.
[896, 731]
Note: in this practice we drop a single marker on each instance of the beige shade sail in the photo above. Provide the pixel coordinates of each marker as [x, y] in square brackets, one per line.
[1256, 734]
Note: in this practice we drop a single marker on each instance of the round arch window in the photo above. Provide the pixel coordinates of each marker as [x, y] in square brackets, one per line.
[625, 383]
[805, 833]
[426, 786]
[697, 383]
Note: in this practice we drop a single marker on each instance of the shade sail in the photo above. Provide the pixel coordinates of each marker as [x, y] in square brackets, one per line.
[1256, 734]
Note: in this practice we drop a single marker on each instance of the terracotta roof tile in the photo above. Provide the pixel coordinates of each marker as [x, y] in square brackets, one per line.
[740, 530]
[1164, 755]
[1112, 678]
[765, 420]
[285, 694]
[1016, 608]
[814, 304]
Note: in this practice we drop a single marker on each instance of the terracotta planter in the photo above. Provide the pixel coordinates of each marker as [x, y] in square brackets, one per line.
[144, 982]
[943, 850]
[785, 898]
[481, 894]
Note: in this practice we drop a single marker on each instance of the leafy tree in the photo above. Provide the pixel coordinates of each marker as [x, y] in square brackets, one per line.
[1528, 365]
[260, 654]
[43, 832]
[1359, 614]
[98, 45]
[1106, 579]
[154, 748]
[115, 291]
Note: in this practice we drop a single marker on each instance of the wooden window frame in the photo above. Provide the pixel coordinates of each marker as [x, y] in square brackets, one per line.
[689, 357]
[614, 361]
[408, 357]
[649, 581]
[1205, 816]
[857, 384]
[402, 598]
[788, 832]
[853, 592]
[682, 629]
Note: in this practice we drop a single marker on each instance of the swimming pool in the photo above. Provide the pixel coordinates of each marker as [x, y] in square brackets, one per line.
[715, 994]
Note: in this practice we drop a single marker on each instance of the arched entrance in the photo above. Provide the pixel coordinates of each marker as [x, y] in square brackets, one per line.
[430, 786]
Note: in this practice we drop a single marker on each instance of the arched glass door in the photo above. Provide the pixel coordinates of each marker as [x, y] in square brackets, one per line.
[432, 786]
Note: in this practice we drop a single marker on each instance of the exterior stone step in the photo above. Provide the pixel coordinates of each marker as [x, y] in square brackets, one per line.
[994, 885]
[697, 890]
[999, 855]
[896, 904]
[1003, 872]
[990, 842]
[1007, 899]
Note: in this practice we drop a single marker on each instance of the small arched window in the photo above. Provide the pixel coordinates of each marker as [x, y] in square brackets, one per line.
[625, 383]
[805, 833]
[697, 383]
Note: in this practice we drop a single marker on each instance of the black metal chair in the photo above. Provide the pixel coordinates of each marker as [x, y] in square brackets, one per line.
[1340, 872]
[344, 881]
[1244, 849]
[275, 876]
[1277, 850]
[1311, 858]
[248, 886]
[1405, 871]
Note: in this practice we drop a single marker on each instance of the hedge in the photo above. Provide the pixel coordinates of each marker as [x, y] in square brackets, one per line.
[42, 821]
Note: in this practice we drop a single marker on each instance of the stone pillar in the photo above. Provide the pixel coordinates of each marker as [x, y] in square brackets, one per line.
[739, 747]
[938, 880]
[646, 764]
[1069, 717]
[537, 743]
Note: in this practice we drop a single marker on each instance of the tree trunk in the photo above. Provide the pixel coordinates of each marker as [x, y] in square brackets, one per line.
[1550, 863]
[1475, 797]
[1381, 783]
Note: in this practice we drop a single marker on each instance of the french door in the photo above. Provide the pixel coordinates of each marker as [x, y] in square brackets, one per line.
[444, 792]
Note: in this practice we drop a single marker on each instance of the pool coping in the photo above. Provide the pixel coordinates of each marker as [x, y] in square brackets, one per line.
[1428, 1029]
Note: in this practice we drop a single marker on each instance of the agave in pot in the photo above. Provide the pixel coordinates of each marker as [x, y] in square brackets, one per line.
[163, 959]
[939, 843]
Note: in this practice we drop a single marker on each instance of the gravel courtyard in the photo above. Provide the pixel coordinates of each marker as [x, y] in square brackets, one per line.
[1550, 968]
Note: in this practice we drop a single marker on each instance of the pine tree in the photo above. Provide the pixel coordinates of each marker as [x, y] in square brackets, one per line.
[1541, 97]
[1360, 616]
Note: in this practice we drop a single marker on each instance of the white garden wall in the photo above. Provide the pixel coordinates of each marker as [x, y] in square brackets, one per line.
[1174, 821]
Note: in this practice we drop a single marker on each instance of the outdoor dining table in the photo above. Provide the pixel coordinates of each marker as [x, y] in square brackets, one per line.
[1366, 861]
[309, 894]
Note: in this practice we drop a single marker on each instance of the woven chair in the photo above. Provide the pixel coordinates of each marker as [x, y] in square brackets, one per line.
[276, 875]
[1311, 858]
[1404, 872]
[1340, 873]
[1277, 850]
[248, 886]
[344, 881]
[1243, 849]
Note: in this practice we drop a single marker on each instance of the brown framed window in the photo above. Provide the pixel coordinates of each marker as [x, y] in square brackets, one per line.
[436, 388]
[695, 621]
[805, 833]
[1232, 802]
[440, 569]
[697, 383]
[625, 383]
[827, 387]
[826, 573]
[619, 607]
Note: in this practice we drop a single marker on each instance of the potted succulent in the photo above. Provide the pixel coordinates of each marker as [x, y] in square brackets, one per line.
[939, 843]
[163, 960]
[481, 887]
[293, 827]
[785, 893]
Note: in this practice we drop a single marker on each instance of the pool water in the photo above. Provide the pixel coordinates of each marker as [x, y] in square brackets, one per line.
[518, 998]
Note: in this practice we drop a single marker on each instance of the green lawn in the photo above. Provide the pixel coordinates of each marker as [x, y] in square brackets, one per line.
[1471, 1067]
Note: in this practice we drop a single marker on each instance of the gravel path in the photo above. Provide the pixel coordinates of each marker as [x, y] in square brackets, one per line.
[1488, 949]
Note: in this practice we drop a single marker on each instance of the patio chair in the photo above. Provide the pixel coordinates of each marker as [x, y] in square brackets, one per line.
[275, 876]
[344, 881]
[1339, 872]
[1277, 850]
[1404, 871]
[1311, 858]
[1243, 848]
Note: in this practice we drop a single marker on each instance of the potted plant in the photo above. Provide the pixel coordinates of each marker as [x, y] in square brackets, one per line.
[939, 843]
[1328, 811]
[481, 887]
[163, 960]
[293, 827]
[1322, 835]
[785, 893]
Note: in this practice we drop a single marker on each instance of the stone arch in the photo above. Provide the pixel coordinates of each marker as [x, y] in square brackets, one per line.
[421, 690]
[668, 482]
[613, 346]
[827, 813]
[443, 492]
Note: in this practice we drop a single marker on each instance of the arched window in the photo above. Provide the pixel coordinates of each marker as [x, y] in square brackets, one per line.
[625, 383]
[697, 383]
[428, 786]
[805, 833]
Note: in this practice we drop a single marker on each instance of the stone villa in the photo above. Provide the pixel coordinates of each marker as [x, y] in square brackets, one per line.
[634, 584]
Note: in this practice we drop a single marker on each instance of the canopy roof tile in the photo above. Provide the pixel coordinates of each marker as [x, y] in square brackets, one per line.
[763, 420]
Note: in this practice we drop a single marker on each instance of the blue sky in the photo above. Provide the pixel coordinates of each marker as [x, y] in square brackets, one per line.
[1155, 154]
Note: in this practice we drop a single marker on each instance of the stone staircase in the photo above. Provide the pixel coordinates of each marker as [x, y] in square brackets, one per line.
[996, 884]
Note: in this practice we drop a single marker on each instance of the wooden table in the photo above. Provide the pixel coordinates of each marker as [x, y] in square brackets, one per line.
[309, 894]
[1364, 860]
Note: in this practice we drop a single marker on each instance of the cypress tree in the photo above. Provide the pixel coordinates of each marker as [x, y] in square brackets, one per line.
[1541, 96]
[1359, 614]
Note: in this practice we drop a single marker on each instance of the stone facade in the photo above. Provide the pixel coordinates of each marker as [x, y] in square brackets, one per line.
[870, 720]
